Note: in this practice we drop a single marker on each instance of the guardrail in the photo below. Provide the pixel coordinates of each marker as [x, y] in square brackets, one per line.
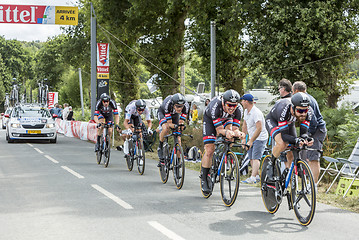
[82, 130]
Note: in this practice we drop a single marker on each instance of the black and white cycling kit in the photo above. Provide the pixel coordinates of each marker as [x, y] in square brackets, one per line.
[280, 120]
[132, 114]
[167, 112]
[215, 116]
[106, 112]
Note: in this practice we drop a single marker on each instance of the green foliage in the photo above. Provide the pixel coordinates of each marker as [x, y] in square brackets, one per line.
[283, 34]
[343, 130]
[78, 114]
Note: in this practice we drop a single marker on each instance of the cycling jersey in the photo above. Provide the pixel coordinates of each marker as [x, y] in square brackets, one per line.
[131, 111]
[167, 112]
[215, 116]
[106, 112]
[280, 120]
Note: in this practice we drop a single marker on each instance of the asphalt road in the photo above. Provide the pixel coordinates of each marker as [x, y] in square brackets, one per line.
[57, 191]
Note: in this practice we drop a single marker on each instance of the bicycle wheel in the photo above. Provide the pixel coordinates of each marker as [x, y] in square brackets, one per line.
[164, 169]
[178, 166]
[268, 189]
[140, 157]
[129, 157]
[99, 153]
[229, 179]
[107, 151]
[303, 193]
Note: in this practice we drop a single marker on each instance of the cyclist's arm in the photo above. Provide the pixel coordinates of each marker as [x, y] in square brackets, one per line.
[126, 123]
[149, 124]
[117, 119]
[286, 134]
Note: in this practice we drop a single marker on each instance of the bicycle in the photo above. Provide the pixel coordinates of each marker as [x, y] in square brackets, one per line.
[105, 148]
[224, 169]
[174, 159]
[302, 195]
[136, 151]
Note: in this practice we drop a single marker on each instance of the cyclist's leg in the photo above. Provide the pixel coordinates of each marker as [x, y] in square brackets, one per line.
[209, 137]
[164, 131]
[314, 156]
[101, 120]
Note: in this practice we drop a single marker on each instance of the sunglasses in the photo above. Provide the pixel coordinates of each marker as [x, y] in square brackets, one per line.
[230, 105]
[179, 106]
[302, 110]
[105, 101]
[140, 110]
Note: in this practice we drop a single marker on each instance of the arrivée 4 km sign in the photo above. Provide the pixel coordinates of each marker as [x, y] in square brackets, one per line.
[34, 14]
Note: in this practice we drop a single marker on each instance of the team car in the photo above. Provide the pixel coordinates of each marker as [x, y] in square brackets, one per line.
[30, 122]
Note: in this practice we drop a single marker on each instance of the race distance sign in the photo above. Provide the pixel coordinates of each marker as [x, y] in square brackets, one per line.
[34, 14]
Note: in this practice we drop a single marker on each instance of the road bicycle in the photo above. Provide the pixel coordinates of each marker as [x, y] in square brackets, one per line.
[136, 151]
[301, 195]
[43, 92]
[105, 147]
[174, 158]
[225, 169]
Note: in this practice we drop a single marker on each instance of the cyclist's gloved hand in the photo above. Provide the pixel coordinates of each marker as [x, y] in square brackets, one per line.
[149, 131]
[118, 127]
[129, 131]
[309, 139]
[99, 125]
[298, 141]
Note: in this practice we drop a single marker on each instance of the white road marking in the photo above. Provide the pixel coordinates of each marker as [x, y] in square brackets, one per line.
[30, 144]
[72, 172]
[114, 198]
[165, 231]
[51, 159]
[38, 150]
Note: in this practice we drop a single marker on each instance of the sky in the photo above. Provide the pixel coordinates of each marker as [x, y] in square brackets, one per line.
[32, 32]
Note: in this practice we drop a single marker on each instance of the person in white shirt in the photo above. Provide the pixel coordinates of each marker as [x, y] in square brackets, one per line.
[66, 111]
[254, 126]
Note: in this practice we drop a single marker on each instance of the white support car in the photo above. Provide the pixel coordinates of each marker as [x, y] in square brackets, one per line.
[31, 122]
[5, 117]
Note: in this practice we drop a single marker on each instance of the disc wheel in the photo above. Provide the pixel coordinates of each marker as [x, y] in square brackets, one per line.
[178, 166]
[268, 189]
[165, 168]
[140, 157]
[229, 179]
[303, 193]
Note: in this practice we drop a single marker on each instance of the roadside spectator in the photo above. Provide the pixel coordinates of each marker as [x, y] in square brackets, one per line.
[70, 114]
[253, 125]
[65, 112]
[56, 111]
[285, 88]
[317, 130]
[206, 102]
[194, 115]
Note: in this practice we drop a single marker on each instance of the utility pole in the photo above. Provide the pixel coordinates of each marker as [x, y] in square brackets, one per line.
[213, 59]
[81, 94]
[93, 62]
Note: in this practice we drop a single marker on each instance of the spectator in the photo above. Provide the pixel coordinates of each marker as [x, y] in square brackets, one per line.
[253, 125]
[70, 114]
[285, 88]
[206, 102]
[65, 112]
[56, 111]
[194, 115]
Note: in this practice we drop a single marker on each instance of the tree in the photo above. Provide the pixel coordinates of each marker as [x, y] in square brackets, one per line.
[227, 17]
[310, 41]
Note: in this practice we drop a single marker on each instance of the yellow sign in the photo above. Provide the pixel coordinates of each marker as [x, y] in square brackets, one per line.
[66, 15]
[103, 76]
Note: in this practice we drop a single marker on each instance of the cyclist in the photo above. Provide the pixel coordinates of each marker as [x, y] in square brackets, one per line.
[105, 106]
[221, 116]
[173, 110]
[317, 130]
[133, 118]
[280, 125]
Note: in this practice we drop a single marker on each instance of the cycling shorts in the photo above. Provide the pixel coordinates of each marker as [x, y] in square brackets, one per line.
[209, 130]
[107, 117]
[161, 117]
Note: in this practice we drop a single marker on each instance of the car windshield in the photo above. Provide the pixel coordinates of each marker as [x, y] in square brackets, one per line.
[31, 112]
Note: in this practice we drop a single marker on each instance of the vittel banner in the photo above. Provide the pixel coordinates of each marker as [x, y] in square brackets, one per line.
[103, 63]
[34, 14]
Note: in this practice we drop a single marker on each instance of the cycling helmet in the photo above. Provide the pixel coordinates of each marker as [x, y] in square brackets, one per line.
[140, 104]
[231, 96]
[105, 97]
[178, 99]
[300, 99]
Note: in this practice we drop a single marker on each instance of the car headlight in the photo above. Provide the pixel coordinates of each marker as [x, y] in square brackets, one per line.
[50, 125]
[15, 125]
